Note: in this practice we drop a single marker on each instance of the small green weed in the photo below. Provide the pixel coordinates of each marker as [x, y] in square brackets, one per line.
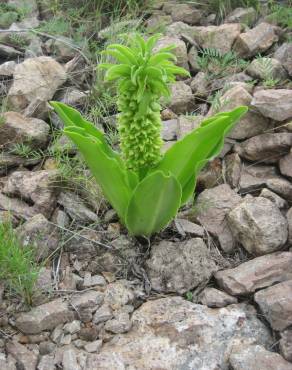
[18, 270]
[219, 65]
[281, 14]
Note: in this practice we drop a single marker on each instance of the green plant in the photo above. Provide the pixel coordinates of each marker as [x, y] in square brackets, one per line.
[215, 63]
[266, 69]
[223, 7]
[18, 270]
[281, 14]
[145, 188]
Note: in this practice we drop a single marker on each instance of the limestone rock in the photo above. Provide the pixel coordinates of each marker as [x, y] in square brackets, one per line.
[281, 186]
[200, 85]
[171, 333]
[275, 104]
[44, 317]
[267, 148]
[249, 357]
[258, 225]
[213, 206]
[25, 359]
[254, 177]
[256, 40]
[38, 188]
[286, 344]
[42, 235]
[179, 267]
[257, 273]
[35, 78]
[212, 297]
[284, 56]
[275, 198]
[185, 13]
[18, 129]
[251, 123]
[289, 219]
[242, 15]
[276, 304]
[182, 97]
[219, 37]
[285, 165]
[265, 68]
[76, 208]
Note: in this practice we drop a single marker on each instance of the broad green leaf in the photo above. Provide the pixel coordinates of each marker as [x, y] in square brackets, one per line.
[72, 118]
[188, 156]
[154, 202]
[112, 178]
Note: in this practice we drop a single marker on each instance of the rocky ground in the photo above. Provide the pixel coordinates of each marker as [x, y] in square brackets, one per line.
[213, 290]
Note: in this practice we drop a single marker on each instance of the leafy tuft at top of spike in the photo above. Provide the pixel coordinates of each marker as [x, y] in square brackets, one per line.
[143, 77]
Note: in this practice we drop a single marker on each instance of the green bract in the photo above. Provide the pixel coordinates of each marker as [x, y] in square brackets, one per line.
[144, 187]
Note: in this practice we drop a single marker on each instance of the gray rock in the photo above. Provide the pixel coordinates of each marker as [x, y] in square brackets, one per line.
[255, 274]
[38, 188]
[256, 40]
[179, 267]
[286, 344]
[169, 130]
[249, 357]
[185, 13]
[212, 297]
[282, 187]
[289, 219]
[275, 104]
[200, 85]
[285, 165]
[213, 205]
[8, 363]
[25, 359]
[34, 49]
[91, 281]
[44, 317]
[242, 15]
[40, 234]
[69, 360]
[47, 362]
[9, 52]
[93, 346]
[276, 304]
[7, 69]
[220, 37]
[251, 123]
[90, 299]
[119, 294]
[193, 59]
[64, 48]
[267, 148]
[179, 29]
[16, 207]
[18, 129]
[267, 68]
[254, 177]
[284, 56]
[120, 324]
[227, 81]
[258, 225]
[187, 124]
[273, 197]
[102, 314]
[35, 78]
[156, 21]
[8, 161]
[172, 333]
[187, 227]
[232, 169]
[72, 327]
[76, 208]
[182, 98]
